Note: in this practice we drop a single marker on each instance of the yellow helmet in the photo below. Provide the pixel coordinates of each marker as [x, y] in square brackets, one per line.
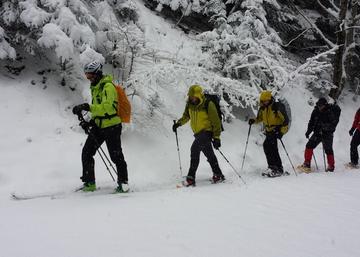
[265, 96]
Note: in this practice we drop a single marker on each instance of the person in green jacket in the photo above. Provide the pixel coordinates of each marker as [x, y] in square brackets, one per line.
[274, 117]
[105, 126]
[206, 125]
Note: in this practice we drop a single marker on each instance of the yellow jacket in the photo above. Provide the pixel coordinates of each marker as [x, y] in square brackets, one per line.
[274, 117]
[200, 118]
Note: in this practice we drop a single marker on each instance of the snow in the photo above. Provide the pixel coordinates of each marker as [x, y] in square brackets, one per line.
[308, 215]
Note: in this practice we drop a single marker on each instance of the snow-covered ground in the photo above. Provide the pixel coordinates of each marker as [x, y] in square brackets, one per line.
[309, 215]
[305, 215]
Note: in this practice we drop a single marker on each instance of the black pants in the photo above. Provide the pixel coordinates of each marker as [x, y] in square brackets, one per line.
[326, 139]
[111, 136]
[272, 152]
[355, 142]
[202, 143]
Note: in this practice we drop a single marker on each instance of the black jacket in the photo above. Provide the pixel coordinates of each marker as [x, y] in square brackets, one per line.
[324, 122]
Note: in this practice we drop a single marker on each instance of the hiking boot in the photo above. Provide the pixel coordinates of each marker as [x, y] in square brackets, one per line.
[189, 181]
[89, 187]
[330, 169]
[122, 188]
[217, 179]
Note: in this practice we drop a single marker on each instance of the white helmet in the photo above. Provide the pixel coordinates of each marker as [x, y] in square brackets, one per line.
[93, 67]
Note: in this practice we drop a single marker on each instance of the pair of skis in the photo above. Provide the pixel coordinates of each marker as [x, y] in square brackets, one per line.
[59, 195]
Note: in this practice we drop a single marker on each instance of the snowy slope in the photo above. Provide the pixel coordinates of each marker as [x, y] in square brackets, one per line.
[308, 215]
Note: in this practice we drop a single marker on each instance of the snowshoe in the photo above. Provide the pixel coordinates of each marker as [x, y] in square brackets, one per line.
[122, 188]
[351, 165]
[217, 179]
[274, 173]
[189, 182]
[304, 168]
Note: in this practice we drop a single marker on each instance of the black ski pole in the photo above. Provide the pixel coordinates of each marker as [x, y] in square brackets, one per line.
[178, 150]
[101, 151]
[237, 173]
[288, 156]
[247, 141]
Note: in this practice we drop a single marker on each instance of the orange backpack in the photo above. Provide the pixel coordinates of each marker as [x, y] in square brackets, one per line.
[123, 104]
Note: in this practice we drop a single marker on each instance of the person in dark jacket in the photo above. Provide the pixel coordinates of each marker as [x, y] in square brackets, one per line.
[105, 126]
[355, 141]
[206, 125]
[322, 124]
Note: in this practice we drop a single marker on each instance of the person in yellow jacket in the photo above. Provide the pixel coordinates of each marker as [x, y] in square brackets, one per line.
[206, 125]
[273, 115]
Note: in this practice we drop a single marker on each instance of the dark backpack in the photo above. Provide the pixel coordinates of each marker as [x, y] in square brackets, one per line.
[216, 100]
[283, 107]
[336, 110]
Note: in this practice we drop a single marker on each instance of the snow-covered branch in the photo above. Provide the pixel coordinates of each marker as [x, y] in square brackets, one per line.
[331, 12]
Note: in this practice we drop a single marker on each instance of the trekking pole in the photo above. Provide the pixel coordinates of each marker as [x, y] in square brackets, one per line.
[324, 158]
[101, 151]
[322, 141]
[317, 167]
[231, 166]
[178, 150]
[247, 141]
[288, 156]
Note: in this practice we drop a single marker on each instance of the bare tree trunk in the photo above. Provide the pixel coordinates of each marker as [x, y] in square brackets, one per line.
[339, 76]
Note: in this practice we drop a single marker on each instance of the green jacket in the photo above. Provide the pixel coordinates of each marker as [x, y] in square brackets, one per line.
[200, 118]
[273, 116]
[104, 103]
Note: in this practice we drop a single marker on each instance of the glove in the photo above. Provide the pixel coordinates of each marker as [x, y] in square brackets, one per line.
[251, 121]
[278, 133]
[175, 126]
[351, 131]
[307, 134]
[81, 107]
[216, 143]
[85, 126]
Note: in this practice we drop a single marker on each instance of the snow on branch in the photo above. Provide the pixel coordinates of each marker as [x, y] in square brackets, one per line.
[331, 12]
[6, 51]
[328, 42]
[54, 37]
[32, 15]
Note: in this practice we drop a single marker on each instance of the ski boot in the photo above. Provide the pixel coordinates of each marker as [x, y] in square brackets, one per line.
[89, 187]
[189, 181]
[122, 188]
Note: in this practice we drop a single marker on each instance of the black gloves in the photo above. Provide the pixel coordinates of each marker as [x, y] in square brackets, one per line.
[175, 126]
[81, 107]
[216, 143]
[85, 126]
[251, 121]
[278, 133]
[88, 126]
[351, 131]
[307, 134]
